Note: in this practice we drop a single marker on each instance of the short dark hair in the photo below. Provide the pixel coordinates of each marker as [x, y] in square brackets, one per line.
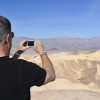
[5, 27]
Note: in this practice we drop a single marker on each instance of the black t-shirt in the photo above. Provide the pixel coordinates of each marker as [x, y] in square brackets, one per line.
[16, 78]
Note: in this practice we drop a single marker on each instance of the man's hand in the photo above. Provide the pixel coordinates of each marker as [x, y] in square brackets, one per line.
[39, 47]
[22, 46]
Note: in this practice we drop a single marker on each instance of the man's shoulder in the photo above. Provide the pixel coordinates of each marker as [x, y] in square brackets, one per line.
[22, 62]
[18, 60]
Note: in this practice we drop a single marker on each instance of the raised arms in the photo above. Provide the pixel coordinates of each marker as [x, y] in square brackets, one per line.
[46, 62]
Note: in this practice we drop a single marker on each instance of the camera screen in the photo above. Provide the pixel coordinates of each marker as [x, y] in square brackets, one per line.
[30, 43]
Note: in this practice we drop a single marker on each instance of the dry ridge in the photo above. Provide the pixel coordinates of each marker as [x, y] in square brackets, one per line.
[77, 76]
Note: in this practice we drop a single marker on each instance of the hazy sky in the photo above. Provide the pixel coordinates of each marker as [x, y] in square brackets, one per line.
[53, 18]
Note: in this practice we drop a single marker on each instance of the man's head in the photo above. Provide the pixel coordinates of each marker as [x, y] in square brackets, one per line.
[5, 34]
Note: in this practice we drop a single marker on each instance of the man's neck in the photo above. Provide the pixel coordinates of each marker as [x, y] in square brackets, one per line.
[2, 55]
[3, 51]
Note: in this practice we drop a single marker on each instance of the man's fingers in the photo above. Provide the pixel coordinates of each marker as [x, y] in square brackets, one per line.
[23, 42]
[27, 47]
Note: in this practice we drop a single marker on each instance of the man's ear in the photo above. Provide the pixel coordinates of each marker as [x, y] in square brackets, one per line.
[8, 39]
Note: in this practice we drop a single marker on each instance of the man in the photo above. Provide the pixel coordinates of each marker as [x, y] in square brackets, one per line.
[17, 76]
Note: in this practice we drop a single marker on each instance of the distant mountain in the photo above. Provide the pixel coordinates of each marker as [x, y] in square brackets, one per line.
[63, 44]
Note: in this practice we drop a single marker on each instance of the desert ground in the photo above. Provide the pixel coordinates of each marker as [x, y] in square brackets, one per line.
[77, 76]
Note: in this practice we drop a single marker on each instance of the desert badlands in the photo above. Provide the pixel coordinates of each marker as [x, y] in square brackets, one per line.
[77, 77]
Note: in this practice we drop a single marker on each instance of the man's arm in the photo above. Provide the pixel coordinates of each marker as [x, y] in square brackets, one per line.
[47, 65]
[46, 62]
[20, 50]
[17, 54]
